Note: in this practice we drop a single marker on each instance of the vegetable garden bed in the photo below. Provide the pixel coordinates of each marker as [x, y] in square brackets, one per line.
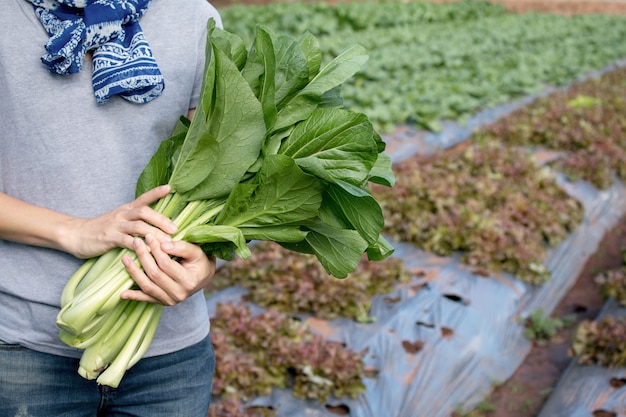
[437, 342]
[432, 62]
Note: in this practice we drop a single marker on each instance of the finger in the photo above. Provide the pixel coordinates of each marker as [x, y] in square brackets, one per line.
[158, 226]
[126, 241]
[169, 270]
[127, 234]
[192, 259]
[140, 206]
[138, 295]
[145, 214]
[152, 195]
[175, 279]
[165, 272]
[186, 251]
[145, 275]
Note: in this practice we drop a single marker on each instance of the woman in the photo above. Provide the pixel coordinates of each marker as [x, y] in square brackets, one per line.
[72, 146]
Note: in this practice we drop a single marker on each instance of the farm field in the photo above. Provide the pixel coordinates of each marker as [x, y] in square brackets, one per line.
[554, 68]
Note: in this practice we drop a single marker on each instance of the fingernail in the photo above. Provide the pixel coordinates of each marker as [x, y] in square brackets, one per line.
[172, 228]
[149, 238]
[167, 246]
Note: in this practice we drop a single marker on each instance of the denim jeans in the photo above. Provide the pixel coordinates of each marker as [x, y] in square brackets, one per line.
[35, 384]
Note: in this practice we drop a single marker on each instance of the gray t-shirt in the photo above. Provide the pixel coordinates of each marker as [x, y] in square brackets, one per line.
[59, 149]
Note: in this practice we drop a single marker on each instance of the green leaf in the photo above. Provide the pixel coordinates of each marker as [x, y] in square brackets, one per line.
[380, 250]
[225, 136]
[333, 144]
[335, 73]
[310, 47]
[292, 71]
[237, 203]
[267, 93]
[259, 72]
[159, 168]
[338, 250]
[273, 142]
[332, 98]
[362, 213]
[182, 126]
[284, 195]
[357, 191]
[232, 45]
[300, 247]
[253, 71]
[382, 172]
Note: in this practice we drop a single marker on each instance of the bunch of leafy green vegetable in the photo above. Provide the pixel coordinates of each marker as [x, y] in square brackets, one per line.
[271, 154]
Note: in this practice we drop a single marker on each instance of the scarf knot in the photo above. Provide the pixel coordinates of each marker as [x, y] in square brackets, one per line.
[123, 63]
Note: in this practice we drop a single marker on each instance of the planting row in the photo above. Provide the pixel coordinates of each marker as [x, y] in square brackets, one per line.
[432, 62]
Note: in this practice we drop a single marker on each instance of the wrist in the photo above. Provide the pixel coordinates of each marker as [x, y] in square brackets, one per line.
[63, 236]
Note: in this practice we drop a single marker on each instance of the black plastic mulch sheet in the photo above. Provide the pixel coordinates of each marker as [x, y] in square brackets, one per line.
[442, 341]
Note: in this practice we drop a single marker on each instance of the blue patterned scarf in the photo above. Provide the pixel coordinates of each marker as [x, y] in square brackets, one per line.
[122, 59]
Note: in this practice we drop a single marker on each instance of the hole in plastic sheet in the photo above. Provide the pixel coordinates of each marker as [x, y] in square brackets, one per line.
[481, 272]
[456, 299]
[414, 289]
[412, 347]
[617, 382]
[580, 309]
[424, 324]
[341, 409]
[453, 297]
[371, 372]
[392, 300]
[604, 413]
[252, 410]
[419, 273]
[446, 332]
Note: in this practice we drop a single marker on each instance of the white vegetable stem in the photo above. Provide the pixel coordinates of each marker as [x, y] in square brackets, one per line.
[116, 333]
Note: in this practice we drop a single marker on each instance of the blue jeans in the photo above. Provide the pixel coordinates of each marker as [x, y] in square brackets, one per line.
[35, 384]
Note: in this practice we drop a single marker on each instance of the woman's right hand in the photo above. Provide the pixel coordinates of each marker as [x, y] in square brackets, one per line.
[89, 237]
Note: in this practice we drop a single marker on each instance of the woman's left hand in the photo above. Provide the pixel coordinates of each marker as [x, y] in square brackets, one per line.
[163, 279]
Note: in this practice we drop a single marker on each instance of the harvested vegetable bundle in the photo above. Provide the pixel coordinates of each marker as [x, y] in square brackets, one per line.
[270, 155]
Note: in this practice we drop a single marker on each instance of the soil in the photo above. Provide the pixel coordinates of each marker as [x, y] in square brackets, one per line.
[524, 394]
[566, 7]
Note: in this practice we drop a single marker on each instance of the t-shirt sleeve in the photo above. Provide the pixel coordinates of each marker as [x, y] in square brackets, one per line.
[207, 11]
